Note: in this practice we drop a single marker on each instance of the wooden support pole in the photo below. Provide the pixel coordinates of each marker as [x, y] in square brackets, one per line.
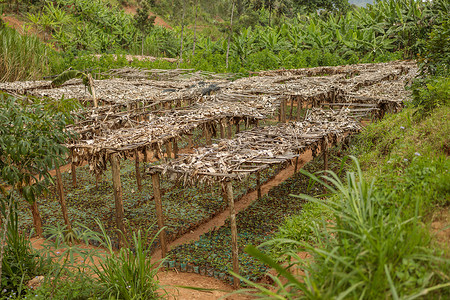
[169, 149]
[138, 173]
[234, 244]
[292, 108]
[159, 213]
[207, 134]
[175, 148]
[325, 154]
[283, 111]
[222, 130]
[73, 170]
[62, 199]
[299, 109]
[296, 164]
[145, 152]
[258, 184]
[229, 131]
[98, 178]
[117, 186]
[238, 129]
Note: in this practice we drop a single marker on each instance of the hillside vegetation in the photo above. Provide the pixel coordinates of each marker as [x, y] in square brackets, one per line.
[369, 237]
[384, 31]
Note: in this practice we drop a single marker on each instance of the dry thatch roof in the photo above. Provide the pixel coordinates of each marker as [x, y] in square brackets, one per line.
[253, 150]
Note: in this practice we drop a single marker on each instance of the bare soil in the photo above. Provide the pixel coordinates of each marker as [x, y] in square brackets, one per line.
[158, 21]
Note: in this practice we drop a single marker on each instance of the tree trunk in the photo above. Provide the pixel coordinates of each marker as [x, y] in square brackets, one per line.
[229, 37]
[62, 198]
[182, 32]
[37, 221]
[195, 28]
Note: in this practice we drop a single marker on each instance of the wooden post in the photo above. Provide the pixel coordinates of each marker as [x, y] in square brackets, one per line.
[283, 111]
[175, 148]
[299, 108]
[234, 244]
[229, 131]
[169, 149]
[117, 186]
[73, 171]
[292, 108]
[222, 130]
[296, 163]
[144, 151]
[258, 184]
[159, 213]
[325, 154]
[138, 173]
[98, 178]
[207, 134]
[62, 199]
[238, 129]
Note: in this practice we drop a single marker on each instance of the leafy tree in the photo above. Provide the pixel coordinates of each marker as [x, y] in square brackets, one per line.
[31, 139]
[144, 22]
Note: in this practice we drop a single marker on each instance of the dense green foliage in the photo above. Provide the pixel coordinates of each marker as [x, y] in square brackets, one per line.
[25, 57]
[378, 243]
[384, 31]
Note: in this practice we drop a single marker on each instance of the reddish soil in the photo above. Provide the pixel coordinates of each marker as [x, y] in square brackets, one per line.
[18, 25]
[441, 229]
[158, 21]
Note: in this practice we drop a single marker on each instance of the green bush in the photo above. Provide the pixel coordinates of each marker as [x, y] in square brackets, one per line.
[371, 251]
[431, 93]
[20, 261]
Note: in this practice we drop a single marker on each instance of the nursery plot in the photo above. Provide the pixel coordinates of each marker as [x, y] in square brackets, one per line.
[211, 254]
[184, 208]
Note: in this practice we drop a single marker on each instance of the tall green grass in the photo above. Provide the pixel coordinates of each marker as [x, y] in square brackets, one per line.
[370, 251]
[25, 57]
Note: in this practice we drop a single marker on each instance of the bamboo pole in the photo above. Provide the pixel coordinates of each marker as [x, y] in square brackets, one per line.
[234, 244]
[62, 199]
[159, 213]
[117, 186]
[138, 173]
[73, 171]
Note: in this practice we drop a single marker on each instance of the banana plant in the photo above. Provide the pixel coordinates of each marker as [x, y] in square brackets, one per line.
[88, 81]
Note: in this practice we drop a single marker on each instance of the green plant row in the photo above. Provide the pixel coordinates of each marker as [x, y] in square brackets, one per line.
[211, 254]
[184, 208]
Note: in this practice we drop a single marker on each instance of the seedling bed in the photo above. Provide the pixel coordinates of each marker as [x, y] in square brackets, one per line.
[185, 208]
[211, 254]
